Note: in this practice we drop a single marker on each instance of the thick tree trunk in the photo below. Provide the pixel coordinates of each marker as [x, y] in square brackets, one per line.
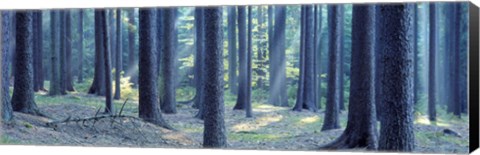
[300, 87]
[332, 107]
[68, 52]
[109, 109]
[54, 60]
[431, 64]
[167, 85]
[148, 106]
[395, 35]
[278, 83]
[98, 85]
[361, 126]
[118, 56]
[62, 55]
[341, 64]
[80, 45]
[5, 106]
[242, 58]
[232, 50]
[23, 98]
[214, 133]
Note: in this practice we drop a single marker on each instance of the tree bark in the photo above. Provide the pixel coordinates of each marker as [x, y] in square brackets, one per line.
[68, 52]
[98, 85]
[431, 63]
[167, 85]
[199, 61]
[80, 46]
[242, 58]
[6, 106]
[118, 62]
[54, 54]
[214, 133]
[278, 83]
[248, 103]
[232, 50]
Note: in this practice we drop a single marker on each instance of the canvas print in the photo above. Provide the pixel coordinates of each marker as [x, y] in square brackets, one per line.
[358, 77]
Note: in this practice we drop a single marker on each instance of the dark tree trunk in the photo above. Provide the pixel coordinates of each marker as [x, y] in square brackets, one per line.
[6, 106]
[361, 126]
[106, 63]
[80, 46]
[341, 65]
[37, 52]
[199, 61]
[319, 58]
[214, 133]
[23, 98]
[455, 84]
[167, 85]
[118, 62]
[68, 52]
[395, 35]
[149, 108]
[299, 100]
[416, 77]
[431, 64]
[62, 55]
[98, 85]
[278, 83]
[54, 56]
[132, 66]
[332, 107]
[12, 47]
[248, 103]
[111, 31]
[242, 58]
[232, 50]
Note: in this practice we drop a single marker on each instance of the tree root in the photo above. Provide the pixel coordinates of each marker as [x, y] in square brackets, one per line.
[346, 141]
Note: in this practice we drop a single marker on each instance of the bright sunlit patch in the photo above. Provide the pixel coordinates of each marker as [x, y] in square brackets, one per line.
[308, 120]
[266, 108]
[257, 123]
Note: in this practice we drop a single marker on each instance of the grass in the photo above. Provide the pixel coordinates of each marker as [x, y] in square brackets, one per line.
[4, 139]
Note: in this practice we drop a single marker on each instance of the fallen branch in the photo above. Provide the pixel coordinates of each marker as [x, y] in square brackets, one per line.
[83, 120]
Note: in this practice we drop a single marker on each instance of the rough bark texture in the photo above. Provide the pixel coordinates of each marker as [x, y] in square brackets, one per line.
[80, 45]
[107, 64]
[5, 106]
[62, 55]
[199, 61]
[278, 80]
[167, 85]
[98, 85]
[242, 59]
[361, 126]
[431, 63]
[232, 50]
[395, 35]
[149, 108]
[332, 107]
[54, 60]
[118, 56]
[68, 52]
[23, 98]
[214, 133]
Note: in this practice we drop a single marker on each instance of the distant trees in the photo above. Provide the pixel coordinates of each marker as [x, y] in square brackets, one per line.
[395, 35]
[132, 66]
[149, 108]
[243, 86]
[23, 99]
[361, 126]
[214, 133]
[278, 77]
[232, 49]
[332, 107]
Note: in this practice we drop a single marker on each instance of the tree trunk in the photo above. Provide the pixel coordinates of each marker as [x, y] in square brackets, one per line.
[54, 64]
[98, 85]
[341, 64]
[5, 106]
[242, 58]
[199, 61]
[361, 126]
[232, 50]
[299, 100]
[395, 35]
[332, 107]
[80, 46]
[106, 63]
[214, 133]
[248, 104]
[319, 58]
[62, 55]
[23, 98]
[68, 52]
[278, 83]
[118, 62]
[431, 64]
[149, 109]
[416, 77]
[167, 85]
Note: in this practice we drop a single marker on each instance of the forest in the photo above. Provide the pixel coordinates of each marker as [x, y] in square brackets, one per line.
[345, 77]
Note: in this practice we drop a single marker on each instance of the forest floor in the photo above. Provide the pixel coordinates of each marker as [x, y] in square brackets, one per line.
[271, 128]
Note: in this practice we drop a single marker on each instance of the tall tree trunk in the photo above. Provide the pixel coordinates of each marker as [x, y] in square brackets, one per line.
[98, 85]
[148, 106]
[62, 55]
[54, 56]
[361, 126]
[416, 77]
[109, 109]
[278, 83]
[68, 52]
[23, 98]
[299, 100]
[332, 107]
[6, 112]
[80, 45]
[232, 50]
[118, 62]
[112, 30]
[214, 133]
[455, 101]
[395, 35]
[242, 59]
[167, 85]
[199, 61]
[341, 65]
[248, 104]
[319, 58]
[431, 63]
